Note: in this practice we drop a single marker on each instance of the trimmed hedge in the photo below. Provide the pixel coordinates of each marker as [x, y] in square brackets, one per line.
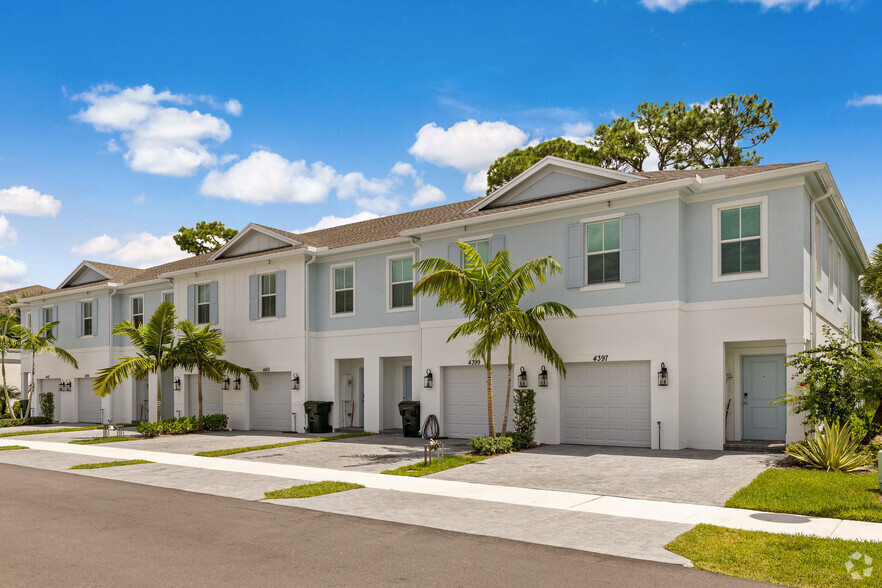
[35, 420]
[183, 425]
[519, 441]
[491, 445]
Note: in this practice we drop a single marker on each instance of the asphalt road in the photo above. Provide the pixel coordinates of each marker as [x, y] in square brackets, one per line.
[59, 529]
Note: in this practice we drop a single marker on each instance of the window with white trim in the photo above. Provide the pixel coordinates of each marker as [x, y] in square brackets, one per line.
[137, 311]
[344, 289]
[203, 304]
[401, 281]
[482, 247]
[168, 297]
[267, 295]
[47, 318]
[87, 317]
[740, 240]
[818, 258]
[839, 279]
[602, 251]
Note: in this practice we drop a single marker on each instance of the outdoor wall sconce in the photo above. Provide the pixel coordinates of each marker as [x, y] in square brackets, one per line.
[427, 380]
[295, 381]
[543, 377]
[237, 384]
[663, 375]
[522, 378]
[67, 386]
[61, 385]
[177, 384]
[226, 383]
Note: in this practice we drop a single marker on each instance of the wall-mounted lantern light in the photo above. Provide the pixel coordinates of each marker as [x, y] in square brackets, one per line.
[237, 384]
[226, 383]
[67, 386]
[522, 378]
[177, 383]
[663, 375]
[61, 385]
[295, 381]
[543, 377]
[427, 379]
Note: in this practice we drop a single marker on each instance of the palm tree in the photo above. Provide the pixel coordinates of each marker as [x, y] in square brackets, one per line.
[153, 340]
[40, 342]
[7, 341]
[199, 350]
[871, 284]
[487, 294]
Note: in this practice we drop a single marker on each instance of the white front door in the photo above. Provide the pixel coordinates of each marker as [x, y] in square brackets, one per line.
[271, 403]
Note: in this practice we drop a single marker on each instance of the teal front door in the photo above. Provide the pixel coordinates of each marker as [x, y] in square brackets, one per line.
[763, 380]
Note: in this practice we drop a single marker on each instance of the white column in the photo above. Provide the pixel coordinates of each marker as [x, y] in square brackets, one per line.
[151, 396]
[795, 428]
[373, 382]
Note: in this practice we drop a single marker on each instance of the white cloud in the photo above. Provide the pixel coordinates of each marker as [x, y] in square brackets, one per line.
[870, 100]
[268, 177]
[228, 158]
[146, 250]
[353, 184]
[476, 183]
[13, 273]
[139, 199]
[97, 246]
[577, 132]
[675, 5]
[28, 202]
[404, 170]
[8, 234]
[326, 222]
[233, 107]
[427, 194]
[161, 139]
[468, 145]
[113, 146]
[380, 204]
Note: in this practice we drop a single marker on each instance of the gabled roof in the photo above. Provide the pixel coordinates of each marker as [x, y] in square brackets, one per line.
[101, 272]
[25, 292]
[249, 240]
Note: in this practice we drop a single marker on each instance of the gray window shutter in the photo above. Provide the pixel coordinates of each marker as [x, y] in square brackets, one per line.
[575, 256]
[212, 307]
[630, 249]
[454, 255]
[95, 317]
[191, 303]
[253, 298]
[54, 314]
[280, 293]
[79, 319]
[497, 244]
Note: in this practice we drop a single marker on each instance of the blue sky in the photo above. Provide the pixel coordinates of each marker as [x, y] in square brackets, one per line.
[120, 122]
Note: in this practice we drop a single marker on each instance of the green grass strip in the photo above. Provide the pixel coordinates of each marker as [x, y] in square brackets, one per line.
[419, 469]
[813, 493]
[789, 560]
[310, 490]
[10, 447]
[234, 451]
[108, 464]
[98, 440]
[46, 431]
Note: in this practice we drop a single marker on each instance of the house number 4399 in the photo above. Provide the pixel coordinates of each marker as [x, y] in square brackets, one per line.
[601, 357]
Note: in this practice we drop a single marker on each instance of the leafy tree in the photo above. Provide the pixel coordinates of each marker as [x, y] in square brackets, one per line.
[204, 237]
[200, 349]
[153, 341]
[8, 341]
[620, 145]
[871, 284]
[41, 341]
[487, 293]
[871, 328]
[660, 127]
[510, 165]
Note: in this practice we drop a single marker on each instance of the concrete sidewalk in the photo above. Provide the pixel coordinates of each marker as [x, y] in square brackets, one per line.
[608, 506]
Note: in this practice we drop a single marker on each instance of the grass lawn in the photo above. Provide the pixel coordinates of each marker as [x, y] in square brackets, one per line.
[104, 440]
[10, 447]
[45, 431]
[814, 493]
[108, 464]
[309, 490]
[451, 461]
[234, 451]
[791, 560]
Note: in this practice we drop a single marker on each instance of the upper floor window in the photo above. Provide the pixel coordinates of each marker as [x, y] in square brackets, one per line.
[168, 297]
[482, 247]
[344, 289]
[831, 270]
[203, 304]
[267, 295]
[138, 311]
[818, 259]
[47, 318]
[401, 281]
[87, 318]
[602, 251]
[839, 279]
[740, 240]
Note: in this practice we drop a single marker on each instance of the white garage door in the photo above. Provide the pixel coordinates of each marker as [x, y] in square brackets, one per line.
[212, 397]
[606, 404]
[88, 404]
[465, 401]
[271, 403]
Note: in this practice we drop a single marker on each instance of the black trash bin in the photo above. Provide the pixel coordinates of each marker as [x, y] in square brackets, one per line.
[410, 417]
[318, 415]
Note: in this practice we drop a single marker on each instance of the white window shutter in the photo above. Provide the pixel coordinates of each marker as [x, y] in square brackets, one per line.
[575, 269]
[253, 297]
[630, 249]
[280, 293]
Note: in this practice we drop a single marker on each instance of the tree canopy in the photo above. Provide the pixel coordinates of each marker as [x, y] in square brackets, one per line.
[725, 132]
[204, 237]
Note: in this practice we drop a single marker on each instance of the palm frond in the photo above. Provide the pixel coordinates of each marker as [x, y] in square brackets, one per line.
[109, 378]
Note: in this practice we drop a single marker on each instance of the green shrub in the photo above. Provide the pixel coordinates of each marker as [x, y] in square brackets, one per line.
[519, 440]
[38, 420]
[491, 445]
[183, 425]
[47, 405]
[20, 407]
[525, 413]
[832, 449]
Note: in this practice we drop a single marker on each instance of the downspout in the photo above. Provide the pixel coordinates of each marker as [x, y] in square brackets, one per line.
[110, 339]
[418, 244]
[306, 333]
[815, 242]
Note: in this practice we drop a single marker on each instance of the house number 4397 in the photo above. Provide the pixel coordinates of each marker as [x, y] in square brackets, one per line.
[601, 357]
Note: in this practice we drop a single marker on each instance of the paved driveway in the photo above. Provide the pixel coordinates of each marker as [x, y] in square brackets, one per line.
[689, 475]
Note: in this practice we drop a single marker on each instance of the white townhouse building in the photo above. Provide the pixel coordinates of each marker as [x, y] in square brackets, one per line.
[690, 287]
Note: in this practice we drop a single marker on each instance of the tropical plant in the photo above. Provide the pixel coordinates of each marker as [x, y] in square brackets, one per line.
[41, 341]
[525, 412]
[490, 445]
[47, 405]
[7, 342]
[833, 449]
[487, 293]
[153, 341]
[871, 283]
[199, 350]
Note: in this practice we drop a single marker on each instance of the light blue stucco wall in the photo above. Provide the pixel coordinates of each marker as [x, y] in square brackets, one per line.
[66, 333]
[122, 304]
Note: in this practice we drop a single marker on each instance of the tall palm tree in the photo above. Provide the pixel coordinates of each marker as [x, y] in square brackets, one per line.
[871, 284]
[200, 349]
[8, 341]
[485, 292]
[42, 341]
[153, 341]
